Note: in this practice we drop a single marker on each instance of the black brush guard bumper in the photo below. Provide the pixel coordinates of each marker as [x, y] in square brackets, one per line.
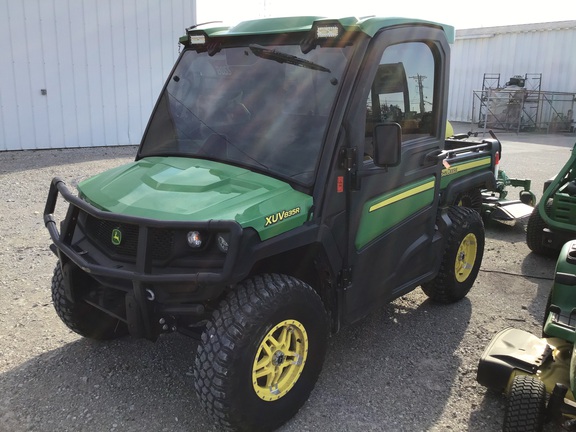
[141, 275]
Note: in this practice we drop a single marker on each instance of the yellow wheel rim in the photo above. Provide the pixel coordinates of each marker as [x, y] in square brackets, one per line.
[466, 257]
[280, 360]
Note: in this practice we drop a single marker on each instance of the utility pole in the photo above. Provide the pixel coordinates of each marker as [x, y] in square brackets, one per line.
[419, 79]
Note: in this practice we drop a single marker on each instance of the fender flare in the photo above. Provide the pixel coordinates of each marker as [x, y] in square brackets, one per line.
[479, 180]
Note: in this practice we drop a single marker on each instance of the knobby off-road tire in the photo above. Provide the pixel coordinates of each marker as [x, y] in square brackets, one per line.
[261, 353]
[462, 257]
[535, 233]
[526, 407]
[81, 317]
[471, 199]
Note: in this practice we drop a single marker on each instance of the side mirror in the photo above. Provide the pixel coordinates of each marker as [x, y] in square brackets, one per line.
[387, 144]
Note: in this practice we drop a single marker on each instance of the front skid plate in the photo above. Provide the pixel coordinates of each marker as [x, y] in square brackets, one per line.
[511, 349]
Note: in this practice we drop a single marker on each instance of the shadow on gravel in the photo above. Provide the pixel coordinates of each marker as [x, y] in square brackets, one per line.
[509, 233]
[135, 385]
[16, 161]
[536, 269]
[490, 411]
[404, 352]
[541, 270]
[125, 385]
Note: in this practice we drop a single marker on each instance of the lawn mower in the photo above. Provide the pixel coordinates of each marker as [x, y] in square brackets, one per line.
[553, 221]
[538, 374]
[494, 204]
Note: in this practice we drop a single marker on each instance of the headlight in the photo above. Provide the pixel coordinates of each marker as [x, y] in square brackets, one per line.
[222, 240]
[194, 239]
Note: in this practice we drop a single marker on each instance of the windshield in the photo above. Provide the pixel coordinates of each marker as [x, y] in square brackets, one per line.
[265, 108]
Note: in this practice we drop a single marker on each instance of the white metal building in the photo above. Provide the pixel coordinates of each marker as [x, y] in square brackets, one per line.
[545, 48]
[80, 73]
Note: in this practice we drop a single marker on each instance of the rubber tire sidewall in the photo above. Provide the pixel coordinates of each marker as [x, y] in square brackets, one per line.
[535, 234]
[82, 318]
[471, 198]
[526, 406]
[445, 288]
[236, 331]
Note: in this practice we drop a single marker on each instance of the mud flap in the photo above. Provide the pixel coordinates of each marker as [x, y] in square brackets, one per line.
[511, 349]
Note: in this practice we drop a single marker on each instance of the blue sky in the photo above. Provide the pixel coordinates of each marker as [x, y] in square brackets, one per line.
[460, 14]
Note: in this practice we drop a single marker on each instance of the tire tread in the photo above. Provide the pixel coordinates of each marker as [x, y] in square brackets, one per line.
[82, 318]
[441, 288]
[237, 316]
[535, 233]
[526, 407]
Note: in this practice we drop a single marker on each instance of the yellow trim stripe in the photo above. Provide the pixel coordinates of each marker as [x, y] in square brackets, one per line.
[403, 195]
[465, 166]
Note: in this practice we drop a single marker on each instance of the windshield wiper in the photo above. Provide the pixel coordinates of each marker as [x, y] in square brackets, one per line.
[281, 57]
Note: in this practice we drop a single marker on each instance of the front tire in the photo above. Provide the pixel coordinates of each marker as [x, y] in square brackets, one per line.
[83, 318]
[535, 233]
[462, 257]
[261, 353]
[526, 407]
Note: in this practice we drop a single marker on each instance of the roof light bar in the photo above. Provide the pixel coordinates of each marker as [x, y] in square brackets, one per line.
[327, 31]
[197, 38]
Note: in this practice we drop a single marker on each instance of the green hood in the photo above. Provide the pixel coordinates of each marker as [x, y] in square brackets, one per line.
[170, 188]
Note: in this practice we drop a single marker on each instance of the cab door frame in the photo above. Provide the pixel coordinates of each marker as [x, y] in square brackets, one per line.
[393, 210]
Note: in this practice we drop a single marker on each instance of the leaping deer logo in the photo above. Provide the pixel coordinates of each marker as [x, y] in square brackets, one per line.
[116, 236]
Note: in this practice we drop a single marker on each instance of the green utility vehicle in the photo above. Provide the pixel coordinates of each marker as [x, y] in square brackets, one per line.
[553, 221]
[294, 176]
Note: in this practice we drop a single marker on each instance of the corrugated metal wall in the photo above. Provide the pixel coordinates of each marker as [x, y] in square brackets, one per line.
[101, 63]
[546, 48]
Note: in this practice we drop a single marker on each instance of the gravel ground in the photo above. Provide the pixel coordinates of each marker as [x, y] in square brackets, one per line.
[409, 367]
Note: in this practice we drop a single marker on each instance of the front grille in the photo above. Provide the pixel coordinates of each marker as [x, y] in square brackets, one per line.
[101, 232]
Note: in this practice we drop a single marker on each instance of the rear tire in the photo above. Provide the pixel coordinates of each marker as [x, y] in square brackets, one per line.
[462, 257]
[471, 199]
[83, 318]
[261, 353]
[526, 407]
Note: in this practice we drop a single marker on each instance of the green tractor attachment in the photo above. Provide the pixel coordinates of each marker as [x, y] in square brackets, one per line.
[553, 221]
[496, 207]
[495, 203]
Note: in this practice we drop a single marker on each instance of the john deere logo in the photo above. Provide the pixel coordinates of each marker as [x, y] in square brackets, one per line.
[116, 237]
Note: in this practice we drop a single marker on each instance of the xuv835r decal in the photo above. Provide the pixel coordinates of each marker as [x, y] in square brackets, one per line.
[280, 216]
[464, 168]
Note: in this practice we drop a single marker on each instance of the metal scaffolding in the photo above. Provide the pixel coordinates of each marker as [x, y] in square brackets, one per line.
[521, 105]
